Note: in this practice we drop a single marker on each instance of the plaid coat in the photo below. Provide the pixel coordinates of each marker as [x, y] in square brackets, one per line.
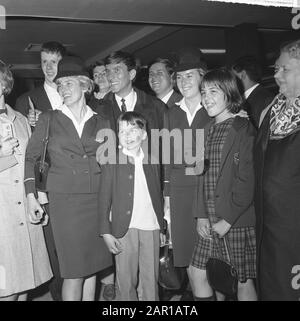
[234, 191]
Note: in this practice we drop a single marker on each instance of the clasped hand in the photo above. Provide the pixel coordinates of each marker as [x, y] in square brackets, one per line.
[204, 229]
[7, 146]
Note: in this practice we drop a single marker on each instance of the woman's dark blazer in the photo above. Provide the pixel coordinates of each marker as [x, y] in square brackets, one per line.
[74, 168]
[234, 191]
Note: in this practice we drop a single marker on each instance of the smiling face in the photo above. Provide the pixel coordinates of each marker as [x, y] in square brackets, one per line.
[70, 90]
[287, 75]
[100, 79]
[160, 80]
[131, 136]
[214, 101]
[188, 82]
[120, 78]
[49, 62]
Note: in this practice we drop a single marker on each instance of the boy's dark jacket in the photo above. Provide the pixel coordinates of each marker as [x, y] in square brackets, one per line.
[116, 195]
[234, 191]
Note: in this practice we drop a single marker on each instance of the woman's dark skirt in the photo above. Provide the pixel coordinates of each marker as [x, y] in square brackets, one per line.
[74, 219]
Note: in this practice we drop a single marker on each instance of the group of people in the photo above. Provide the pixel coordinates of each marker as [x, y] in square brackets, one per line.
[115, 214]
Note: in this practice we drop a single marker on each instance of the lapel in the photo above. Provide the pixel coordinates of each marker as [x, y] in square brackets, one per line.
[41, 100]
[237, 124]
[264, 132]
[68, 126]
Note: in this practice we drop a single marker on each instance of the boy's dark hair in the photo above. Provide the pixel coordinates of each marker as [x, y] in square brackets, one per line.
[251, 65]
[169, 64]
[53, 47]
[133, 118]
[117, 57]
[227, 82]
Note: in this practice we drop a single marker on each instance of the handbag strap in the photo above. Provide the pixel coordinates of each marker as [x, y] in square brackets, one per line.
[45, 142]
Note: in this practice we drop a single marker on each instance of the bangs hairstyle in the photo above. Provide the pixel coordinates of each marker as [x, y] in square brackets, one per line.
[227, 82]
[133, 118]
[6, 78]
[86, 83]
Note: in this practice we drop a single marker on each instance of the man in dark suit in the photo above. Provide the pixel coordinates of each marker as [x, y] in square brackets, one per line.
[161, 81]
[248, 70]
[44, 98]
[121, 70]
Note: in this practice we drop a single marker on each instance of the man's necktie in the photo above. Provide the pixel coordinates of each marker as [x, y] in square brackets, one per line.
[123, 106]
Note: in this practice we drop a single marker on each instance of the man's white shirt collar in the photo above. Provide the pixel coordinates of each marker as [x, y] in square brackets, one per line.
[130, 100]
[167, 97]
[54, 97]
[249, 91]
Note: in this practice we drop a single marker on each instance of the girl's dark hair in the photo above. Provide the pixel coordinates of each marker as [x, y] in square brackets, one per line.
[133, 118]
[227, 82]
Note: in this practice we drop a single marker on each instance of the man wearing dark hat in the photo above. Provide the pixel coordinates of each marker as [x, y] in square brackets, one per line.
[31, 104]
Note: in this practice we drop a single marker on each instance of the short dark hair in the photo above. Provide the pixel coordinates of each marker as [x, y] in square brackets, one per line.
[133, 118]
[169, 64]
[97, 63]
[251, 65]
[53, 47]
[121, 56]
[227, 82]
[6, 78]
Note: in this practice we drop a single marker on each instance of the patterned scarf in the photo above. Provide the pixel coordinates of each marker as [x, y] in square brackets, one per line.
[285, 118]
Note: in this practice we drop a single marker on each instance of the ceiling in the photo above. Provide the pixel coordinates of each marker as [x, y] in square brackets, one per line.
[148, 28]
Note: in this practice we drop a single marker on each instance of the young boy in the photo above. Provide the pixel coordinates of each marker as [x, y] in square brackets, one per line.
[132, 193]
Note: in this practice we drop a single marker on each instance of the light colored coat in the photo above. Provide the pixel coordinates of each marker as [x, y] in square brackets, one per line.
[24, 262]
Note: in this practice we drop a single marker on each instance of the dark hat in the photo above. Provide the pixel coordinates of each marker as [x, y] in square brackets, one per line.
[71, 66]
[190, 58]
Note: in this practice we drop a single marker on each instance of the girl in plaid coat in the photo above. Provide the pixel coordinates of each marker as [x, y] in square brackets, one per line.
[224, 205]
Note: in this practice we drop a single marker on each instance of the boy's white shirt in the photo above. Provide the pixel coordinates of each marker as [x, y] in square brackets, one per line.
[143, 214]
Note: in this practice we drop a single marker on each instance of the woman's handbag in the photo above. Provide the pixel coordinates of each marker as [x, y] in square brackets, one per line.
[170, 277]
[42, 164]
[221, 274]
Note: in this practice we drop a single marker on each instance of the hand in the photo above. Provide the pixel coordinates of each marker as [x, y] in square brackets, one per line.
[35, 210]
[114, 245]
[203, 228]
[8, 144]
[167, 214]
[162, 237]
[33, 116]
[221, 228]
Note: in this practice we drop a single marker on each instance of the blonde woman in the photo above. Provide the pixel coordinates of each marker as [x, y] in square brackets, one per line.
[72, 182]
